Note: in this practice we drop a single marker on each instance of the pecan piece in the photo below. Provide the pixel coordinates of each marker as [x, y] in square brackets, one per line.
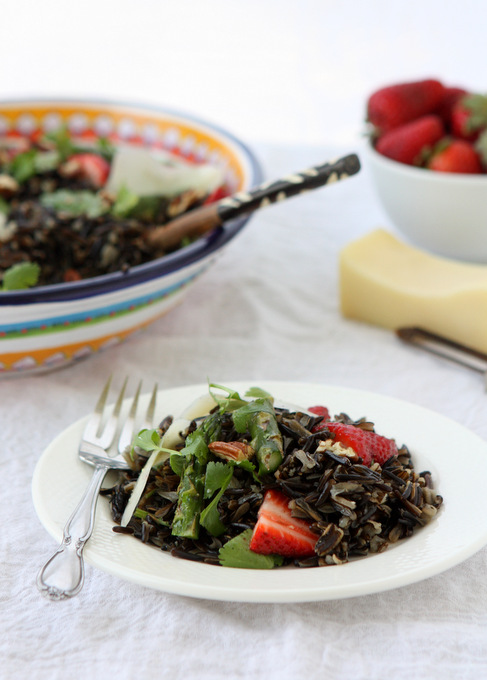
[237, 451]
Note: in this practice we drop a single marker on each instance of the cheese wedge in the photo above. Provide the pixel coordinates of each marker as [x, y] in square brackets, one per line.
[388, 283]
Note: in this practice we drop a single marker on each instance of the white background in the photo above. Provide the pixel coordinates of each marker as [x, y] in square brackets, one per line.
[286, 71]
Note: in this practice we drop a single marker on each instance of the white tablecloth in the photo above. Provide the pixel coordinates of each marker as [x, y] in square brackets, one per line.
[269, 309]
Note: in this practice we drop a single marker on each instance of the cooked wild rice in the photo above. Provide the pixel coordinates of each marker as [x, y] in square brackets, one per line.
[354, 509]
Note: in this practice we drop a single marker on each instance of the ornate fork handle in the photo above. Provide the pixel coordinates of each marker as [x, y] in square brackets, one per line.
[63, 574]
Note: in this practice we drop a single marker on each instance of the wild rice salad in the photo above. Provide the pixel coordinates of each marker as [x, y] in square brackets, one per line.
[253, 485]
[71, 210]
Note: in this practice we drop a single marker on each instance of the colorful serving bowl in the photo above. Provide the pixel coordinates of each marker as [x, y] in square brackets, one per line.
[48, 327]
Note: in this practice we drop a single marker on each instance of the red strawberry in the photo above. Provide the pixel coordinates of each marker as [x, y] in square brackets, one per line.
[370, 446]
[451, 96]
[217, 195]
[469, 117]
[392, 106]
[455, 155]
[89, 166]
[320, 411]
[410, 142]
[278, 532]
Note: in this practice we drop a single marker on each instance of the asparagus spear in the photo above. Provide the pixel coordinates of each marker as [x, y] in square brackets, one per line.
[259, 419]
[186, 522]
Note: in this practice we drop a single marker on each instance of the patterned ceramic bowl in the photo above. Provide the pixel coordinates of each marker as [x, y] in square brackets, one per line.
[51, 326]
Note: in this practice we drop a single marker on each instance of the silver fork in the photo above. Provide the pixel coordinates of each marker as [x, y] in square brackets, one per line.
[63, 574]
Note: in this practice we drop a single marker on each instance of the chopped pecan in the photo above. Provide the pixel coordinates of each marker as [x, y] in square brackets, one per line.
[8, 185]
[237, 451]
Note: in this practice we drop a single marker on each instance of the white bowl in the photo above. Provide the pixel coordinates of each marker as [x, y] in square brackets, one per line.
[444, 213]
[49, 327]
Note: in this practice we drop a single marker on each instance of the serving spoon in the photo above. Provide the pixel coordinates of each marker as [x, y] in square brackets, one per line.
[197, 222]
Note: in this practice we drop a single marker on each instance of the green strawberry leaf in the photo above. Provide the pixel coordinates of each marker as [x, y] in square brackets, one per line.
[476, 104]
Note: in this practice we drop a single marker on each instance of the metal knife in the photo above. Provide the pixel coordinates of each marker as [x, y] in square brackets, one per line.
[443, 347]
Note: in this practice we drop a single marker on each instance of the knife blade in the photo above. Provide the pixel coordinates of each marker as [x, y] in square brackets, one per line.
[445, 348]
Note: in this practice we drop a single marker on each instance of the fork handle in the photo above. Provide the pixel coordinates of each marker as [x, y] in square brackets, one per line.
[63, 574]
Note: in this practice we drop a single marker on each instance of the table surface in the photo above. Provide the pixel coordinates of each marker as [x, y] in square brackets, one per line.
[290, 78]
[267, 310]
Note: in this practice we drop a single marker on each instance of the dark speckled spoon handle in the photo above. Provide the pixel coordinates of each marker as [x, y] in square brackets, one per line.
[199, 221]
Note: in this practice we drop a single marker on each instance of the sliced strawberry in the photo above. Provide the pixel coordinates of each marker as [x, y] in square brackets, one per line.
[370, 446]
[457, 155]
[395, 105]
[217, 195]
[320, 411]
[278, 532]
[89, 166]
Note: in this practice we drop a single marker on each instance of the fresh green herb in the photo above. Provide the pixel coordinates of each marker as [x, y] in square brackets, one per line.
[105, 148]
[150, 440]
[217, 479]
[20, 276]
[23, 166]
[125, 202]
[256, 392]
[63, 142]
[45, 161]
[237, 553]
[4, 206]
[75, 203]
[33, 162]
[232, 401]
[142, 514]
[146, 208]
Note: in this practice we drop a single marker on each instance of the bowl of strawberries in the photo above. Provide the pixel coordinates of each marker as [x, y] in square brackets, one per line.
[427, 154]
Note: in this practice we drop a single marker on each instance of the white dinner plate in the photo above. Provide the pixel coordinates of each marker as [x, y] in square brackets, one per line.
[455, 456]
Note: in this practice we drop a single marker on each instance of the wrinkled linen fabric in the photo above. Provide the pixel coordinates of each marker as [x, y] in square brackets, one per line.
[268, 309]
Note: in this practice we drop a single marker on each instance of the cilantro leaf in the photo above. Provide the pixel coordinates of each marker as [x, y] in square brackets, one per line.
[20, 276]
[228, 403]
[105, 147]
[125, 202]
[44, 161]
[75, 203]
[4, 206]
[258, 392]
[61, 138]
[23, 166]
[217, 478]
[148, 440]
[32, 162]
[237, 553]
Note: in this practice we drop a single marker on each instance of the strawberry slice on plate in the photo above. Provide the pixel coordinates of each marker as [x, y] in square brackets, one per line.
[370, 446]
[278, 532]
[89, 166]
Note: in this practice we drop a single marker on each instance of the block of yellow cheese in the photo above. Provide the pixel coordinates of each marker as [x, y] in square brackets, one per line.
[388, 283]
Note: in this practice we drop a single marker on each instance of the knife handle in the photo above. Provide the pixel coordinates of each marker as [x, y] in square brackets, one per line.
[443, 347]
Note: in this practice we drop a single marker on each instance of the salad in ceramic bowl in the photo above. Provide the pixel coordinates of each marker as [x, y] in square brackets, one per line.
[81, 183]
